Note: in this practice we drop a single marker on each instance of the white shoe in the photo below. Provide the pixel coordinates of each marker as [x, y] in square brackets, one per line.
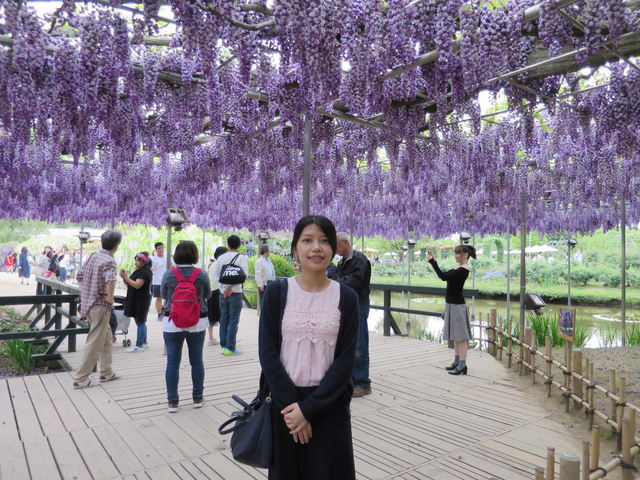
[213, 342]
[135, 349]
[145, 346]
[238, 340]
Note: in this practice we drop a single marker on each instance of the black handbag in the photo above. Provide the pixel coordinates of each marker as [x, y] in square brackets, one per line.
[252, 440]
[231, 274]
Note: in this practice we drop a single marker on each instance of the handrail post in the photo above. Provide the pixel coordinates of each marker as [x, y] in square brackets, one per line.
[58, 315]
[387, 313]
[47, 315]
[73, 314]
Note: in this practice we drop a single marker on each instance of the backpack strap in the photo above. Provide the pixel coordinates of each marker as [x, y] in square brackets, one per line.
[194, 275]
[178, 275]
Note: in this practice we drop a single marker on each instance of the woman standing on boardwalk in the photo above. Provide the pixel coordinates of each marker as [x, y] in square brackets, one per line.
[24, 267]
[456, 312]
[307, 346]
[138, 298]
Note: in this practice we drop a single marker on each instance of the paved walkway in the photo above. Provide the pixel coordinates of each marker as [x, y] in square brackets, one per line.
[419, 423]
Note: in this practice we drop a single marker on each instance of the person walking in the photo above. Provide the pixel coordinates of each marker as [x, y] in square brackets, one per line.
[24, 267]
[230, 297]
[185, 256]
[307, 345]
[456, 313]
[213, 304]
[354, 270]
[158, 267]
[265, 271]
[10, 262]
[97, 279]
[138, 298]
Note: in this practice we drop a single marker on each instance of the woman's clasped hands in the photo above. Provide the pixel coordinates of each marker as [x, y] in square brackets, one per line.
[299, 426]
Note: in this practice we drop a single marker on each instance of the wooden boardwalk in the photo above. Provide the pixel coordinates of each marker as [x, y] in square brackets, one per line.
[419, 423]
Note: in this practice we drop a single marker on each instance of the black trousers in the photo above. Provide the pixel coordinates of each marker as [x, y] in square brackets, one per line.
[327, 456]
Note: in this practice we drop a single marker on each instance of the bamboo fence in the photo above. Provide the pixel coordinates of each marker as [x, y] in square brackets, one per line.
[582, 391]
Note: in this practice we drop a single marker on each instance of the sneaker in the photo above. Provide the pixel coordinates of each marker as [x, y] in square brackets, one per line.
[160, 317]
[198, 402]
[87, 383]
[238, 340]
[361, 391]
[113, 376]
[145, 346]
[213, 342]
[226, 351]
[135, 349]
[173, 406]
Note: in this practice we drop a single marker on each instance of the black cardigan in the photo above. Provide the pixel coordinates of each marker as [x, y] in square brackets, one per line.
[336, 384]
[455, 279]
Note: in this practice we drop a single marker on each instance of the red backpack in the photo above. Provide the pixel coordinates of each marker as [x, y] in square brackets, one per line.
[185, 307]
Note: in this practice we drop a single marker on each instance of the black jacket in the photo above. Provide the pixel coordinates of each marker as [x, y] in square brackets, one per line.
[356, 273]
[336, 384]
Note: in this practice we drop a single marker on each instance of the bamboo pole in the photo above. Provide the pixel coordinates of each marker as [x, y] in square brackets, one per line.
[577, 384]
[494, 336]
[591, 393]
[620, 409]
[595, 453]
[567, 378]
[632, 418]
[551, 462]
[549, 352]
[627, 441]
[527, 352]
[509, 342]
[569, 466]
[585, 460]
[612, 388]
[533, 357]
[539, 473]
[500, 338]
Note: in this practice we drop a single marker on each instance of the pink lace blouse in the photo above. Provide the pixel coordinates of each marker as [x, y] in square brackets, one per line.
[310, 328]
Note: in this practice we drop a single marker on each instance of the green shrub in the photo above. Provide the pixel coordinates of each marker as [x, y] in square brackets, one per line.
[542, 273]
[633, 335]
[582, 275]
[611, 277]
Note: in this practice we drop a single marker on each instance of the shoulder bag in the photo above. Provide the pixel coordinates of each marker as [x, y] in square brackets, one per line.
[252, 439]
[231, 274]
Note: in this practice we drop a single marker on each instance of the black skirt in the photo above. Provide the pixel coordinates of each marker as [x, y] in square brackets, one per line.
[329, 453]
[213, 304]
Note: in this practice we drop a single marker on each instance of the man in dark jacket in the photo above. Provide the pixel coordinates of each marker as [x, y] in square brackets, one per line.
[354, 270]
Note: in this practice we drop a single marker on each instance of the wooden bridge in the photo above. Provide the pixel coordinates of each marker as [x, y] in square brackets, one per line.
[419, 423]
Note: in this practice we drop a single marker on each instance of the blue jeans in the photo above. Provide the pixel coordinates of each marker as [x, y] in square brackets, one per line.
[195, 343]
[62, 274]
[142, 334]
[230, 317]
[361, 365]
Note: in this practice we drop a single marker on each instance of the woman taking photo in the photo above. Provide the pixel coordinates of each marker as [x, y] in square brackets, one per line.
[456, 312]
[138, 298]
[307, 344]
[185, 256]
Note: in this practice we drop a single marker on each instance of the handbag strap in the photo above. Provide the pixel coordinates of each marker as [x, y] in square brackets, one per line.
[239, 416]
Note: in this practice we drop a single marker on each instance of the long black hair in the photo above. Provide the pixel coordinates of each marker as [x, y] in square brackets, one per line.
[468, 249]
[325, 225]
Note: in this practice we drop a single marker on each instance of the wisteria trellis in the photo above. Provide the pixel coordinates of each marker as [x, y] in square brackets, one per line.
[103, 96]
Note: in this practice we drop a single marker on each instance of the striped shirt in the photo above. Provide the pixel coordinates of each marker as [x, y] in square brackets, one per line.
[94, 275]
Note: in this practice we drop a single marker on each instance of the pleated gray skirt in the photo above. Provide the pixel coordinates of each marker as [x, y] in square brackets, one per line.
[456, 322]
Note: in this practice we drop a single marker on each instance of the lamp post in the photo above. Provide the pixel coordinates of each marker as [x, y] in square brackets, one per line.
[410, 244]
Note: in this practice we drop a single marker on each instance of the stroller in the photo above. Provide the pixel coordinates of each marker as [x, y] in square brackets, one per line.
[119, 321]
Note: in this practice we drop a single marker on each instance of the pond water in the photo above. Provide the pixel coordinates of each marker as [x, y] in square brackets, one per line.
[596, 318]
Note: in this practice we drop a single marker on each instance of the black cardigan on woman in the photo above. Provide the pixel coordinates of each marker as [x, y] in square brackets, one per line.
[336, 384]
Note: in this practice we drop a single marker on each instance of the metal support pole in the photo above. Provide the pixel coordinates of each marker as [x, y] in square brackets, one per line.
[508, 270]
[523, 267]
[168, 252]
[203, 247]
[473, 280]
[409, 293]
[81, 244]
[307, 167]
[351, 221]
[624, 270]
[569, 270]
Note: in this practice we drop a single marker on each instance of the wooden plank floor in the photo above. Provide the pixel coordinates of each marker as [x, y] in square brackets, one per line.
[419, 422]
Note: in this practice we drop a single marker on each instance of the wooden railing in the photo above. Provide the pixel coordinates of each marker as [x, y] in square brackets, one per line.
[623, 414]
[55, 295]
